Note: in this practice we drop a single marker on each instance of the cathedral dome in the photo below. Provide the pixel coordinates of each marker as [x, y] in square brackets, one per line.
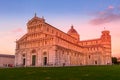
[72, 32]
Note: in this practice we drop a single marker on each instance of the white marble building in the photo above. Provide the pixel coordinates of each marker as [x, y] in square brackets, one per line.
[7, 60]
[45, 45]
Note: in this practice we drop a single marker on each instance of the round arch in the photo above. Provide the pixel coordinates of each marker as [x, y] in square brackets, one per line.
[33, 57]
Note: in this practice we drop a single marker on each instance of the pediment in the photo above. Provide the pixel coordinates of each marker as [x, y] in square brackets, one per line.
[24, 38]
[35, 20]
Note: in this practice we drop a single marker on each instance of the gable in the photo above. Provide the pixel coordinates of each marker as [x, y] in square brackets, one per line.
[23, 38]
[35, 20]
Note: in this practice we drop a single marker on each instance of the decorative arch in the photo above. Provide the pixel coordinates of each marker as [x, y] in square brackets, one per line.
[33, 57]
[23, 57]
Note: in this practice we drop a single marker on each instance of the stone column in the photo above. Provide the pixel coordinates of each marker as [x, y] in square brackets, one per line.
[52, 55]
[19, 59]
[39, 58]
[28, 55]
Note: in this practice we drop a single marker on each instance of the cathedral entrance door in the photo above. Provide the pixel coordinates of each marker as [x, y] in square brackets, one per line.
[23, 61]
[95, 62]
[33, 60]
[45, 60]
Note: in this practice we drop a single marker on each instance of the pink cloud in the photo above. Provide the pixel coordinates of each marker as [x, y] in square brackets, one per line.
[17, 30]
[110, 7]
[106, 16]
[105, 19]
[102, 13]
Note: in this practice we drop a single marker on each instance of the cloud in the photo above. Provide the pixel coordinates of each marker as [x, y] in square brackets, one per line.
[17, 30]
[108, 15]
[110, 7]
[8, 38]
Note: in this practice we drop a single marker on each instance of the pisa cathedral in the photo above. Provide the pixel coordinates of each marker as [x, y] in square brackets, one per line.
[45, 45]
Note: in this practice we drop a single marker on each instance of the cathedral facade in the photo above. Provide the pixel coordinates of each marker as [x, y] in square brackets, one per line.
[45, 45]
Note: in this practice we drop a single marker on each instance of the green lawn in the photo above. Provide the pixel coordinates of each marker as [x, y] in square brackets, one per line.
[62, 73]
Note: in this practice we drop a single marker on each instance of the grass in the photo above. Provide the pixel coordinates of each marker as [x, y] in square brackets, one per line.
[62, 73]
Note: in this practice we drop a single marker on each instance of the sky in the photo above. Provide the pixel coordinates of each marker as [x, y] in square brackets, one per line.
[89, 17]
